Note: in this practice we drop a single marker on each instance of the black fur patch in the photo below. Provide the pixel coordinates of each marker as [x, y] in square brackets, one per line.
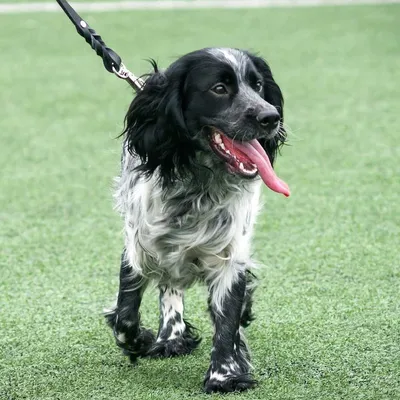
[247, 313]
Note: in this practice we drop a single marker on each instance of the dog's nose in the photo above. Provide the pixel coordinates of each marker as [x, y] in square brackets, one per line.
[269, 119]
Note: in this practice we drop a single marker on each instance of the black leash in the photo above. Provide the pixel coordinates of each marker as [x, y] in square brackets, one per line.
[111, 60]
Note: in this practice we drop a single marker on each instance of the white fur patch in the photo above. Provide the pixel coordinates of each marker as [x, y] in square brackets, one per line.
[121, 337]
[235, 58]
[171, 305]
[216, 376]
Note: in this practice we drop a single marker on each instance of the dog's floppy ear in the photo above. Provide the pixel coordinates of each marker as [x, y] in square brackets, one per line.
[273, 95]
[155, 128]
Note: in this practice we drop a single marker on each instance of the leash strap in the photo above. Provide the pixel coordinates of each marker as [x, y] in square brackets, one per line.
[111, 60]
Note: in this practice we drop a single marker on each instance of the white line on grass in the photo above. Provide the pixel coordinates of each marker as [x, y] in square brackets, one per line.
[8, 8]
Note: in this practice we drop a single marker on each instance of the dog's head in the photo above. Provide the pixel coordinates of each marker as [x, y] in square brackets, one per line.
[221, 103]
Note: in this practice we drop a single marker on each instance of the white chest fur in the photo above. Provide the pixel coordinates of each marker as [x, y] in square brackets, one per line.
[178, 235]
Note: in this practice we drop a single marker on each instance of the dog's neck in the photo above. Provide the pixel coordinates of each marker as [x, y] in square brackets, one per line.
[210, 176]
[206, 189]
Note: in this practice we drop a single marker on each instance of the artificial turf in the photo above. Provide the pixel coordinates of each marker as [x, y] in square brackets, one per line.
[328, 299]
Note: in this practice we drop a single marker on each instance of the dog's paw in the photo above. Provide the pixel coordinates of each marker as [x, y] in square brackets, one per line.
[138, 346]
[133, 340]
[216, 382]
[179, 346]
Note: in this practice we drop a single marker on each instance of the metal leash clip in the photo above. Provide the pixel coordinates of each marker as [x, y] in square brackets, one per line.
[111, 60]
[123, 73]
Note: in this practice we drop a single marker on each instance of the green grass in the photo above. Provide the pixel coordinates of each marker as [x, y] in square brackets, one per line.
[328, 300]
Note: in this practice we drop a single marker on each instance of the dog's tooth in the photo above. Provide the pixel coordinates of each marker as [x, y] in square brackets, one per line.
[217, 138]
[241, 166]
[252, 168]
[227, 152]
[222, 146]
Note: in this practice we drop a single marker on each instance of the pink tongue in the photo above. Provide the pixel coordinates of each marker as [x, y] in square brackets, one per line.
[259, 157]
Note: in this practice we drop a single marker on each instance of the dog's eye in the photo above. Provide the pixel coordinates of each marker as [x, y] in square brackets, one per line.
[219, 89]
[259, 86]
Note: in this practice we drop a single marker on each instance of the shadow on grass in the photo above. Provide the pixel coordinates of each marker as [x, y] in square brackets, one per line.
[182, 374]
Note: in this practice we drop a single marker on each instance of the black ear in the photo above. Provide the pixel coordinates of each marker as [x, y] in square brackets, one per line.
[273, 95]
[155, 128]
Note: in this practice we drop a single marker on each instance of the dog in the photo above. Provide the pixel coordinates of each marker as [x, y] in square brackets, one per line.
[199, 140]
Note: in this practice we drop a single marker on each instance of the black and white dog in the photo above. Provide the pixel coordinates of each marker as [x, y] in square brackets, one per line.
[199, 140]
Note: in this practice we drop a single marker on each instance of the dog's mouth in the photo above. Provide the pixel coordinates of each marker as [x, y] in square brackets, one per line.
[247, 159]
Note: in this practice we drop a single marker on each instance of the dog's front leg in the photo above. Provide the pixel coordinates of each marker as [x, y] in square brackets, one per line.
[229, 367]
[124, 318]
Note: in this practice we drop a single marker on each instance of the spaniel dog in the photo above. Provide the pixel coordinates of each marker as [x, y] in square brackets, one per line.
[199, 140]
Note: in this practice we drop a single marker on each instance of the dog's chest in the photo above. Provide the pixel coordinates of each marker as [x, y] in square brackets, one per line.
[202, 227]
[181, 235]
[199, 232]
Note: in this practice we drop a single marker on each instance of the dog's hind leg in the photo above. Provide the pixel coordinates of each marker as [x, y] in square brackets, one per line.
[229, 369]
[175, 335]
[124, 319]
